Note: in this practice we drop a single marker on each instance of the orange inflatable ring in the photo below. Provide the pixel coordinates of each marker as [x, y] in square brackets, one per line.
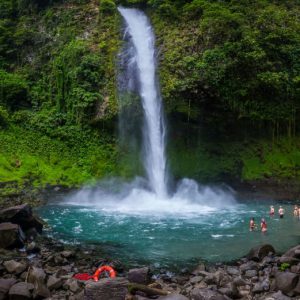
[112, 272]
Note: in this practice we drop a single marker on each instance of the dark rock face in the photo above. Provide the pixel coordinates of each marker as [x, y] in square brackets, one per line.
[21, 215]
[140, 275]
[11, 236]
[259, 252]
[106, 289]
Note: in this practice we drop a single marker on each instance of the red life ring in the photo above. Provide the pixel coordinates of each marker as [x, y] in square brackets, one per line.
[112, 272]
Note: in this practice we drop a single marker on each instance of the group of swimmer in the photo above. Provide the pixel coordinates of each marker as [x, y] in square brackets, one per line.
[263, 223]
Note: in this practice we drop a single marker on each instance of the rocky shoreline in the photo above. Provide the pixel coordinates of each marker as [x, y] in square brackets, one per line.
[36, 267]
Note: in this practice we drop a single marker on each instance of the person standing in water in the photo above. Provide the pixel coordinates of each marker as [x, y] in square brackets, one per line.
[252, 224]
[281, 212]
[272, 211]
[296, 211]
[263, 225]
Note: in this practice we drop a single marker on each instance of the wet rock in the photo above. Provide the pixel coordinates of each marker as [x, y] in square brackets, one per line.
[106, 289]
[15, 267]
[54, 283]
[140, 275]
[5, 285]
[11, 236]
[206, 294]
[20, 291]
[286, 281]
[259, 252]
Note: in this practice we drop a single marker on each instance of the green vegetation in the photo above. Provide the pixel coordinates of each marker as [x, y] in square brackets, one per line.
[230, 77]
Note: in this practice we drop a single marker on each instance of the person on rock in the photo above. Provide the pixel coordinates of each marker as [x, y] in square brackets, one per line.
[252, 225]
[272, 211]
[281, 212]
[263, 225]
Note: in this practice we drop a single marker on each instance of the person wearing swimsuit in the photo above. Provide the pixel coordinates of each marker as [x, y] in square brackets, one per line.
[263, 225]
[296, 211]
[252, 224]
[281, 212]
[272, 211]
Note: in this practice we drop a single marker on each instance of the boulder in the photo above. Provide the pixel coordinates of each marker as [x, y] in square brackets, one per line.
[172, 297]
[259, 252]
[15, 267]
[20, 291]
[206, 294]
[233, 271]
[292, 256]
[140, 275]
[54, 283]
[106, 289]
[36, 275]
[250, 273]
[22, 215]
[286, 281]
[40, 291]
[11, 236]
[275, 296]
[5, 285]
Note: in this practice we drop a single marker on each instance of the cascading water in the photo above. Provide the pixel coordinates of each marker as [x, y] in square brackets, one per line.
[149, 196]
[139, 220]
[142, 37]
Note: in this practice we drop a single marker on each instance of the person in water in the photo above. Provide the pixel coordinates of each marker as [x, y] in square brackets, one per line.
[296, 211]
[263, 225]
[272, 211]
[252, 224]
[281, 212]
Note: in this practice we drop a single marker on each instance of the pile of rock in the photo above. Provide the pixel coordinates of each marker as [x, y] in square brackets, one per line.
[48, 274]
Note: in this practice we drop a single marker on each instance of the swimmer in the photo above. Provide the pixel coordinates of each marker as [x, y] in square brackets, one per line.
[272, 211]
[252, 225]
[263, 225]
[296, 211]
[281, 212]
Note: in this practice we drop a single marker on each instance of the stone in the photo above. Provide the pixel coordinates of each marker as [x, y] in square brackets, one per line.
[67, 254]
[233, 271]
[206, 294]
[5, 285]
[196, 279]
[250, 273]
[262, 286]
[36, 275]
[250, 265]
[11, 236]
[54, 283]
[239, 281]
[296, 290]
[291, 256]
[259, 252]
[173, 297]
[231, 291]
[139, 275]
[106, 289]
[20, 290]
[15, 267]
[40, 291]
[276, 296]
[286, 281]
[199, 268]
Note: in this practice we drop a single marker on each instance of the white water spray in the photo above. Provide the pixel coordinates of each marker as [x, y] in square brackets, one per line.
[140, 31]
[188, 198]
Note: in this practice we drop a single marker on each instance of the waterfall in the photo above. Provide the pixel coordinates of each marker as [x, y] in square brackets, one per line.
[142, 38]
